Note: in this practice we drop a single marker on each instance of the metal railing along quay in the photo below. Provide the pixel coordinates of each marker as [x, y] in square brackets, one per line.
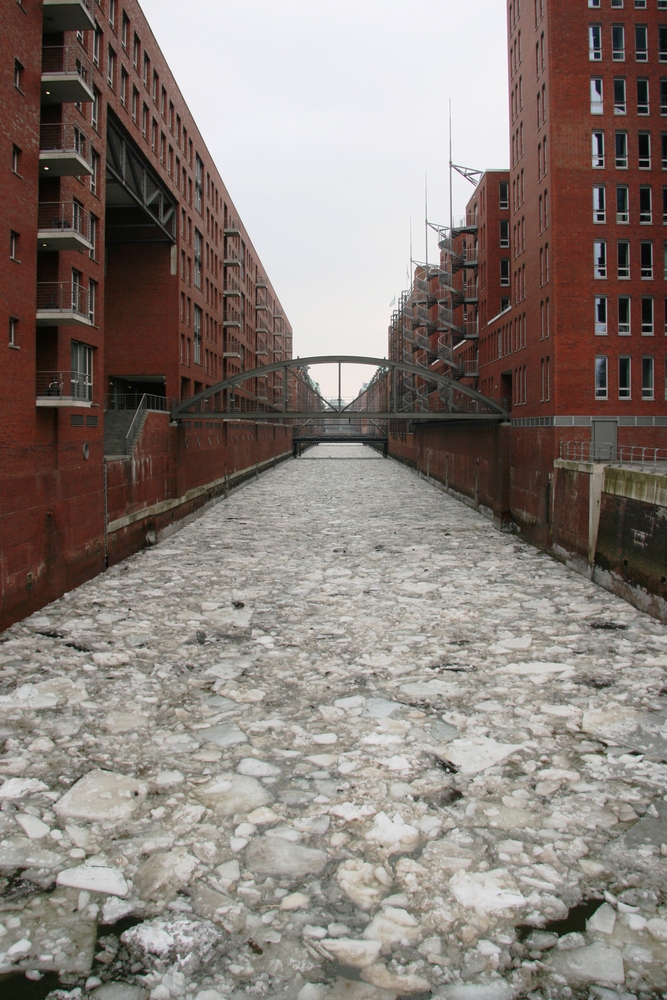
[648, 459]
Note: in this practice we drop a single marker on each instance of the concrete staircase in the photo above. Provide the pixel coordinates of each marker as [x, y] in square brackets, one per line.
[116, 425]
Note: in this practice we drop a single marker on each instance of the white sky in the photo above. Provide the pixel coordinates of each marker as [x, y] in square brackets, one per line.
[323, 118]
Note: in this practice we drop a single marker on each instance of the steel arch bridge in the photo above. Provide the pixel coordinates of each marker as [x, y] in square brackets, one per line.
[398, 391]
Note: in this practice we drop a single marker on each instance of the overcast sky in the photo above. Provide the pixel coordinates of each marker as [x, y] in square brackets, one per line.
[323, 117]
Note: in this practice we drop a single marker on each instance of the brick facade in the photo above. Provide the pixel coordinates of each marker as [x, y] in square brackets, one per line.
[122, 241]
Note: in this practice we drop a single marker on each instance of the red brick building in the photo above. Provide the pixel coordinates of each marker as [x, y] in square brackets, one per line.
[583, 348]
[127, 275]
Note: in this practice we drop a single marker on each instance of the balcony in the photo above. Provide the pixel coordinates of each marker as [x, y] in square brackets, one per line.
[232, 228]
[64, 389]
[232, 321]
[62, 303]
[468, 224]
[68, 15]
[63, 226]
[67, 75]
[64, 151]
[232, 257]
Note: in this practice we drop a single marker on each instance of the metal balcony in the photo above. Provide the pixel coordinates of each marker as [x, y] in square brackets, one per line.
[67, 75]
[64, 151]
[232, 228]
[61, 303]
[68, 15]
[232, 258]
[63, 226]
[64, 389]
[468, 224]
[233, 321]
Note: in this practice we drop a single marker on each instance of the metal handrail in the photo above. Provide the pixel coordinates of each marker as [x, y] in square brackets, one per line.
[133, 431]
[64, 385]
[65, 139]
[646, 457]
[67, 59]
[62, 216]
[62, 296]
[130, 401]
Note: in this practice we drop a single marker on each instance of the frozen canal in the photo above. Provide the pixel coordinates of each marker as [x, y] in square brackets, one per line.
[339, 738]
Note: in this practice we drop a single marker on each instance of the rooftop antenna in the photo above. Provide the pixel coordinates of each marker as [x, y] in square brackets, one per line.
[426, 216]
[451, 167]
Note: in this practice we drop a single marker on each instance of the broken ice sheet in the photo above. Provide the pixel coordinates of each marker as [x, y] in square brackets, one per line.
[477, 753]
[61, 937]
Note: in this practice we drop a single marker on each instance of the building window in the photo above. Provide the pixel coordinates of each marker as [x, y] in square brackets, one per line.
[199, 183]
[622, 204]
[648, 379]
[598, 149]
[601, 382]
[82, 371]
[112, 13]
[600, 259]
[664, 151]
[504, 194]
[621, 145]
[144, 120]
[624, 369]
[92, 301]
[95, 109]
[595, 42]
[136, 51]
[135, 104]
[18, 75]
[647, 316]
[504, 272]
[641, 43]
[95, 176]
[624, 315]
[644, 145]
[93, 237]
[645, 205]
[620, 97]
[97, 44]
[646, 259]
[123, 86]
[504, 233]
[617, 3]
[156, 82]
[623, 259]
[597, 99]
[662, 42]
[16, 160]
[14, 246]
[663, 97]
[111, 69]
[600, 315]
[147, 70]
[599, 203]
[664, 260]
[13, 331]
[618, 42]
[125, 30]
[154, 136]
[642, 96]
[197, 336]
[198, 258]
[163, 102]
[591, 3]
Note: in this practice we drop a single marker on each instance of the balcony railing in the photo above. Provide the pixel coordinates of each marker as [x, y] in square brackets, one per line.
[59, 385]
[67, 75]
[648, 459]
[63, 225]
[65, 150]
[62, 303]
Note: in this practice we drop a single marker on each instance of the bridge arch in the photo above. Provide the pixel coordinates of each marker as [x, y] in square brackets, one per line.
[449, 402]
